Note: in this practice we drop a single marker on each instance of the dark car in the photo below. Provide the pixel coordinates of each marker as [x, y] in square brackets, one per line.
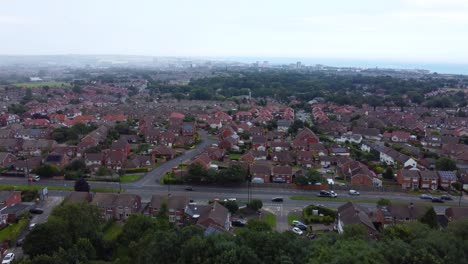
[189, 188]
[277, 199]
[238, 222]
[324, 193]
[20, 242]
[36, 211]
[446, 197]
[301, 226]
[426, 196]
[437, 200]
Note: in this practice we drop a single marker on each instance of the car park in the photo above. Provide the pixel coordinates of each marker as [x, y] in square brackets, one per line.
[426, 197]
[437, 200]
[330, 194]
[446, 197]
[297, 231]
[8, 258]
[277, 199]
[353, 192]
[36, 211]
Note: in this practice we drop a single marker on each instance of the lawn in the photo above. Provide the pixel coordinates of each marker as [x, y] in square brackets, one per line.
[314, 198]
[113, 231]
[270, 219]
[33, 186]
[293, 217]
[234, 156]
[130, 178]
[41, 84]
[12, 231]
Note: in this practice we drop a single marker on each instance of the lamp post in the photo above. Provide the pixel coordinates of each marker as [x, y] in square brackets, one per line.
[120, 172]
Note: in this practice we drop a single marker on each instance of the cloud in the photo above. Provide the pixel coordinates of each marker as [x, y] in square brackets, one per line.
[437, 4]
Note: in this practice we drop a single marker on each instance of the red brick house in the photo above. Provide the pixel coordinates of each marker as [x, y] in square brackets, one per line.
[429, 180]
[175, 205]
[9, 198]
[260, 172]
[117, 206]
[408, 179]
[6, 159]
[282, 174]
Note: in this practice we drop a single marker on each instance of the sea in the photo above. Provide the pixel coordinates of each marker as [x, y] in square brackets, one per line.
[442, 68]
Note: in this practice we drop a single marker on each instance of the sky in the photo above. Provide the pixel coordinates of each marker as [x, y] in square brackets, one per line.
[434, 31]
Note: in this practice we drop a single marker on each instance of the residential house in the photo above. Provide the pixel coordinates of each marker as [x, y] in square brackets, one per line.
[58, 160]
[282, 174]
[284, 158]
[115, 160]
[259, 143]
[121, 145]
[283, 125]
[117, 206]
[202, 159]
[456, 213]
[409, 179]
[399, 213]
[139, 161]
[260, 172]
[429, 179]
[188, 129]
[216, 215]
[446, 178]
[79, 197]
[175, 205]
[353, 214]
[8, 119]
[164, 152]
[6, 159]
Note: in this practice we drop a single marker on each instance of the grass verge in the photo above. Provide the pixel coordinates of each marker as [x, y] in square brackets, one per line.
[270, 219]
[130, 178]
[314, 198]
[41, 84]
[12, 187]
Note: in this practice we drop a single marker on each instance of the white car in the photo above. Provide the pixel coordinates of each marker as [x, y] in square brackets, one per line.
[8, 258]
[297, 231]
[353, 192]
[32, 226]
[230, 200]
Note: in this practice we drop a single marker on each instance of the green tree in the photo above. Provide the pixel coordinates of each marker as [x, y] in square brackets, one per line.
[47, 170]
[388, 174]
[430, 218]
[255, 204]
[47, 238]
[384, 202]
[136, 227]
[81, 185]
[446, 164]
[231, 206]
[233, 174]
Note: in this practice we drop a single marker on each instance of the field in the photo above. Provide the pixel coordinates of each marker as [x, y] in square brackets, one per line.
[270, 219]
[130, 178]
[41, 84]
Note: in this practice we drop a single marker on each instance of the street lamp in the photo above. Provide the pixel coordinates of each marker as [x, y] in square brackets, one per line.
[120, 172]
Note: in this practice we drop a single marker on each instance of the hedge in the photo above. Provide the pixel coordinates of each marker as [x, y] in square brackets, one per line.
[136, 170]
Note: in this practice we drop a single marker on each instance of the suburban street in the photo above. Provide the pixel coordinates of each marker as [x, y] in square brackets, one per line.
[149, 185]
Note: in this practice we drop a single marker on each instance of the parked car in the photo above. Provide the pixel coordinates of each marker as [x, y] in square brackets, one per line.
[32, 226]
[330, 194]
[301, 226]
[297, 230]
[446, 197]
[297, 222]
[437, 200]
[426, 196]
[353, 192]
[36, 211]
[230, 200]
[277, 199]
[34, 178]
[8, 258]
[238, 222]
[19, 242]
[188, 188]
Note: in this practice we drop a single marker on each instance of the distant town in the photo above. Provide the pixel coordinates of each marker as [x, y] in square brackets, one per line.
[221, 146]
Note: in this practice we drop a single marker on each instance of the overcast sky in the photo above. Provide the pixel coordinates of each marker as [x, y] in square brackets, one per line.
[401, 30]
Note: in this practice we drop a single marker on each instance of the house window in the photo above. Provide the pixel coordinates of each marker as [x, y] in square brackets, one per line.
[172, 218]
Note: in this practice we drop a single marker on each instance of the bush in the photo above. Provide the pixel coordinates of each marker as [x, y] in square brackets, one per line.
[255, 204]
[328, 217]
